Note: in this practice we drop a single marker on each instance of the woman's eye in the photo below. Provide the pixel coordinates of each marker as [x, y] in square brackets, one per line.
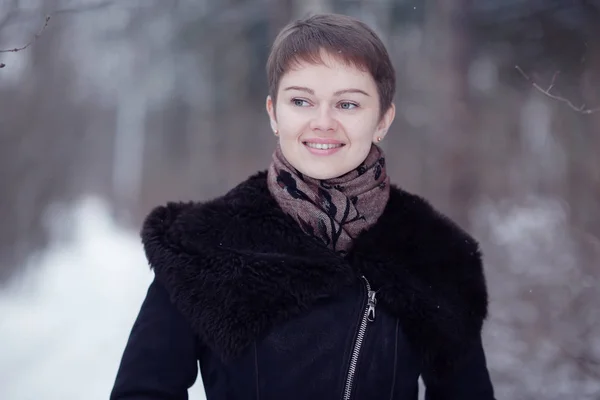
[300, 102]
[347, 106]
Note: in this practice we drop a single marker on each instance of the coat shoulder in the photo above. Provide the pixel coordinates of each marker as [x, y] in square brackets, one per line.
[431, 275]
[179, 228]
[429, 225]
[432, 244]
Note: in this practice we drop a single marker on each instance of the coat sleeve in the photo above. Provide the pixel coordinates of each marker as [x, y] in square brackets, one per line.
[470, 379]
[160, 357]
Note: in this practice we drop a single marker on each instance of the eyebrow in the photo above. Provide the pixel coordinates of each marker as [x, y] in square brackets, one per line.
[339, 92]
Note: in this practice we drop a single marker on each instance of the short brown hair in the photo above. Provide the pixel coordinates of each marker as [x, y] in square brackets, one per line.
[344, 37]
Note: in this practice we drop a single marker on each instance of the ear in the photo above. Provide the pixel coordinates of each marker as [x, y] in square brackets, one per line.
[271, 111]
[384, 124]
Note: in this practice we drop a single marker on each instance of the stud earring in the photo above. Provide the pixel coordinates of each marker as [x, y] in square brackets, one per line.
[276, 132]
[378, 139]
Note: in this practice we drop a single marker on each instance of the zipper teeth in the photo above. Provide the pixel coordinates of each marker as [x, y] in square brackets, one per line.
[357, 346]
[354, 360]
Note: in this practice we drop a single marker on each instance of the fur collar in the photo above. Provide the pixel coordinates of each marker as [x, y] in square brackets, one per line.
[237, 265]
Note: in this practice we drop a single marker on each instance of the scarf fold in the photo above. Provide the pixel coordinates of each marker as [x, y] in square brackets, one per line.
[335, 210]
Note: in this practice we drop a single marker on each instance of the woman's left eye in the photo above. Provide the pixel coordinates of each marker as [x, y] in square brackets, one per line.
[347, 105]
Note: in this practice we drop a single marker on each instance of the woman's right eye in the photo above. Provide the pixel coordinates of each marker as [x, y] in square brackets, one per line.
[300, 102]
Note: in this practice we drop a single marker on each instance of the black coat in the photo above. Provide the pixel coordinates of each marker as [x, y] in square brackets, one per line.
[271, 313]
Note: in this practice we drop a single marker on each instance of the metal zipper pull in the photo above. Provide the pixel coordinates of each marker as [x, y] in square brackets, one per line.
[371, 302]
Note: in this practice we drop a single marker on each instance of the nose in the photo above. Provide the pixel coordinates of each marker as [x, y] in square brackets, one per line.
[323, 121]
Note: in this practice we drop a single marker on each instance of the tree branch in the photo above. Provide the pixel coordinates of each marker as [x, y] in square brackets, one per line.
[12, 14]
[581, 109]
[37, 35]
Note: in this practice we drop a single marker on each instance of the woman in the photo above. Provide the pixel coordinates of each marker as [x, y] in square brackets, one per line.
[315, 279]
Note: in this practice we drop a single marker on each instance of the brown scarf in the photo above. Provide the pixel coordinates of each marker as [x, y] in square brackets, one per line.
[333, 210]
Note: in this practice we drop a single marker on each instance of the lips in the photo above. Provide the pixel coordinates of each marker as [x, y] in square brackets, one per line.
[323, 146]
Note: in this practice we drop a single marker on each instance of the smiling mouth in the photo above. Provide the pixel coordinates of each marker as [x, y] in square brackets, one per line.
[323, 146]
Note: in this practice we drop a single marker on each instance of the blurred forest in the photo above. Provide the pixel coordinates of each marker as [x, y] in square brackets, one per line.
[498, 125]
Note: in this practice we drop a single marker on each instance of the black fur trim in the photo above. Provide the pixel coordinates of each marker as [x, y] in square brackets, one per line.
[237, 265]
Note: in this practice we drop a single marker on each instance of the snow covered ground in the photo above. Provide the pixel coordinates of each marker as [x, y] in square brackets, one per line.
[65, 321]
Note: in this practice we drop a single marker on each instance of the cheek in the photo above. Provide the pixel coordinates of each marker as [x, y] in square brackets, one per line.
[290, 123]
[362, 130]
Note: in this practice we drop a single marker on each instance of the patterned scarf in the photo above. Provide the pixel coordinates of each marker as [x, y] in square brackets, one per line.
[335, 210]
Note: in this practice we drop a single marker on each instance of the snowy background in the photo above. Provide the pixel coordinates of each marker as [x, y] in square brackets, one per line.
[119, 106]
[65, 321]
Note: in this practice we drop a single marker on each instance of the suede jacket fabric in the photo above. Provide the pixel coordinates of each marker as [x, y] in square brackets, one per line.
[268, 312]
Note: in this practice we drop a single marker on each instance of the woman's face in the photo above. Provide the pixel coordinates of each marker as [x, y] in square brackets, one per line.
[327, 116]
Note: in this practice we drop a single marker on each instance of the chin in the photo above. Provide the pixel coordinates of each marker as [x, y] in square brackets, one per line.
[321, 174]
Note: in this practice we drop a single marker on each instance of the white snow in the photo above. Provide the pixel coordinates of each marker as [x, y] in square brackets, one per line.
[65, 321]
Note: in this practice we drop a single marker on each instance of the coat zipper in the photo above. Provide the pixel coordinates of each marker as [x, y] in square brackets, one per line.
[368, 316]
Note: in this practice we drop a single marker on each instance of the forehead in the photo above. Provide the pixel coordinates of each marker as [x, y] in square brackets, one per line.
[327, 73]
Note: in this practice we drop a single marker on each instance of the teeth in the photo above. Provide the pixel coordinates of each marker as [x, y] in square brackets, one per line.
[322, 146]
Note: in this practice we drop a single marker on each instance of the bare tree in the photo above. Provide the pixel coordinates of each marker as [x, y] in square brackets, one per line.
[583, 108]
[14, 12]
[14, 50]
[37, 153]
